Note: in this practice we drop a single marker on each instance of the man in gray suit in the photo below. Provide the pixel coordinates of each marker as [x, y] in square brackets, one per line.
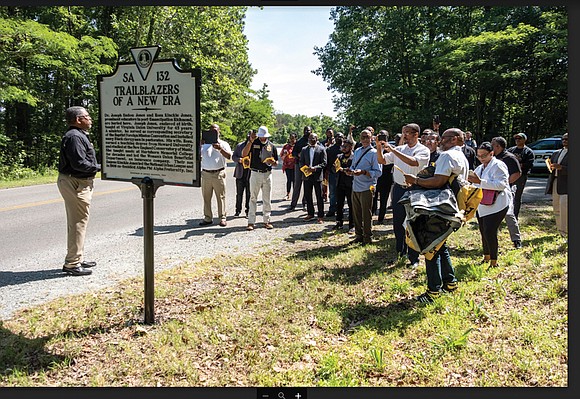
[313, 160]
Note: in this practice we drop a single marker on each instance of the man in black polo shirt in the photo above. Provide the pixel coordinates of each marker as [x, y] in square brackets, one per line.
[77, 166]
[263, 155]
[499, 144]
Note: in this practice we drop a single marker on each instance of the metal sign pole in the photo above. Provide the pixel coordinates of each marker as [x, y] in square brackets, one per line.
[148, 188]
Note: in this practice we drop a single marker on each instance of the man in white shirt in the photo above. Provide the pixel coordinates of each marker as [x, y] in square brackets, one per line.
[213, 177]
[409, 158]
[451, 162]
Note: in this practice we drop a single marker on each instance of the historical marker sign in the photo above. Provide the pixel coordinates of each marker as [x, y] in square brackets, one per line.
[150, 121]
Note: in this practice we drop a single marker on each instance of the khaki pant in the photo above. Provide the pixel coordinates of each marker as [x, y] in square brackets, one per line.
[560, 204]
[77, 195]
[362, 215]
[213, 182]
[260, 182]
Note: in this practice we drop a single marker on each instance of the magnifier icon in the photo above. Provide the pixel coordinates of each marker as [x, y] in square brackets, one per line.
[281, 395]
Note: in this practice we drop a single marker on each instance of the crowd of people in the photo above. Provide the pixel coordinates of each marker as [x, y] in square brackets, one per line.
[365, 176]
[368, 174]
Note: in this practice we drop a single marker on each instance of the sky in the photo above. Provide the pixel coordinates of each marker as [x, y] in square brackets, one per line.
[281, 43]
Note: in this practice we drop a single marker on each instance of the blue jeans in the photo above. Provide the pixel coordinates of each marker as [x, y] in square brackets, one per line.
[439, 269]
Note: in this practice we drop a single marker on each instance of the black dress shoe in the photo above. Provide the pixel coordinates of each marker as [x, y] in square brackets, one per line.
[329, 214]
[76, 271]
[204, 223]
[237, 214]
[88, 264]
[517, 244]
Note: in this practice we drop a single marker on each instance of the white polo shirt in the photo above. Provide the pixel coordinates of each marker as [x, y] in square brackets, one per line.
[420, 152]
[212, 159]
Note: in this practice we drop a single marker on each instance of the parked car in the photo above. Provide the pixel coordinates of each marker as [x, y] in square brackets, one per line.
[543, 149]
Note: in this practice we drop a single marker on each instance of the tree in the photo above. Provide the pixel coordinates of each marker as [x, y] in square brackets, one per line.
[491, 70]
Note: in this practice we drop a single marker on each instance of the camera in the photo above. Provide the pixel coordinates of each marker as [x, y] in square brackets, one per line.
[436, 119]
[382, 137]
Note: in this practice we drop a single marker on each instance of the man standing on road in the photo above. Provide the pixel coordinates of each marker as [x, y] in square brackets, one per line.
[301, 143]
[330, 173]
[525, 156]
[263, 155]
[499, 144]
[77, 167]
[313, 160]
[213, 177]
[242, 175]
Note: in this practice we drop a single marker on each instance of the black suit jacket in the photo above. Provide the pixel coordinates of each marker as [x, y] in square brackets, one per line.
[562, 185]
[318, 163]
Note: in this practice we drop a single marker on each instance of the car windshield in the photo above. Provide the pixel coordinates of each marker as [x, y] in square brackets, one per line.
[546, 145]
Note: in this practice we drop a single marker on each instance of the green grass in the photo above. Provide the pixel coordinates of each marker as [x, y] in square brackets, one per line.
[313, 312]
[29, 177]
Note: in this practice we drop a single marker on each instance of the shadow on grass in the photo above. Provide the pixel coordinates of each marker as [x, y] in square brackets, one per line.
[21, 355]
[24, 356]
[394, 316]
[377, 258]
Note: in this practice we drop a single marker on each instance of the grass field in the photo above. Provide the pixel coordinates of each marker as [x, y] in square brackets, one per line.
[313, 310]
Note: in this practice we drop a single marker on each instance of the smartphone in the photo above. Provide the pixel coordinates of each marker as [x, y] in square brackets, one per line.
[209, 136]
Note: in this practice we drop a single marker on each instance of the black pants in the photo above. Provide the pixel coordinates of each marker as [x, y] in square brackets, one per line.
[520, 184]
[342, 193]
[488, 227]
[289, 179]
[382, 192]
[242, 185]
[297, 186]
[317, 185]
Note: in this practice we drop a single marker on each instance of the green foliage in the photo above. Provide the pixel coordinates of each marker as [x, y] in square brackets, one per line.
[491, 70]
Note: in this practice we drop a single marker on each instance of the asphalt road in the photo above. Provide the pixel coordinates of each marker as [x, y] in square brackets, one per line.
[33, 231]
[32, 220]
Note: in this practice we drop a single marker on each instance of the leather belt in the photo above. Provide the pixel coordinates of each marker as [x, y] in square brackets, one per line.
[77, 177]
[259, 171]
[213, 171]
